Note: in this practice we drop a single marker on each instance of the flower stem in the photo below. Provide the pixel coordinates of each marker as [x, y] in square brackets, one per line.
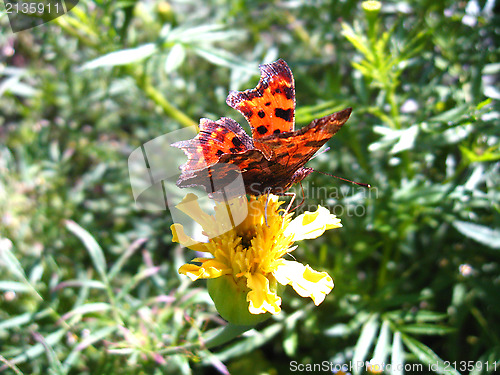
[227, 334]
[161, 101]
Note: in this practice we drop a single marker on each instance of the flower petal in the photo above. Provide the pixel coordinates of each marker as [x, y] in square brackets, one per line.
[179, 236]
[189, 205]
[260, 297]
[208, 270]
[306, 281]
[312, 224]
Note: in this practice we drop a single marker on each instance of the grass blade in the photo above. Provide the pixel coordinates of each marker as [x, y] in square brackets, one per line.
[92, 246]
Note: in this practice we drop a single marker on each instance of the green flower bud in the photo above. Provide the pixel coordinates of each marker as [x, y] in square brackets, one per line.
[230, 299]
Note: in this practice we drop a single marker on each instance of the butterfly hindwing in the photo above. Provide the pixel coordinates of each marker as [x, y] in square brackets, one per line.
[270, 107]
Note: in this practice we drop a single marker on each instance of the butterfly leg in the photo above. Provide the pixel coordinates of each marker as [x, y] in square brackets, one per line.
[293, 195]
[303, 198]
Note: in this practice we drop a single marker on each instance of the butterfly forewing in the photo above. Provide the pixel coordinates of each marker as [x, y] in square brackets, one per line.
[270, 107]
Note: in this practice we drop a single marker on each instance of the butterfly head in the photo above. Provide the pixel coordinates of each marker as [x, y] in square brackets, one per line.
[300, 174]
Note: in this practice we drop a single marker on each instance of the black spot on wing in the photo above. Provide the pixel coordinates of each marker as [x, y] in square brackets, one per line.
[261, 114]
[285, 114]
[236, 142]
[261, 129]
[289, 92]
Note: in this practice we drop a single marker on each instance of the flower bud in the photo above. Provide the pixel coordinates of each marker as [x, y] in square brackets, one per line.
[230, 299]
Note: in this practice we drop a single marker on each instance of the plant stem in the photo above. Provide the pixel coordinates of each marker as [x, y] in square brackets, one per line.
[161, 101]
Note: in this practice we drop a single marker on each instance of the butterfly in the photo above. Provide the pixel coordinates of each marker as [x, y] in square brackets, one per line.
[270, 161]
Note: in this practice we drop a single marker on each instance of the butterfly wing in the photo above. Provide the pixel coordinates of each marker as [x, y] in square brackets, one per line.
[215, 139]
[294, 149]
[270, 107]
[291, 151]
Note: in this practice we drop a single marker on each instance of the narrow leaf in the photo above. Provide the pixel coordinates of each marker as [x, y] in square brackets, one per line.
[92, 246]
[397, 355]
[480, 233]
[427, 356]
[38, 349]
[87, 308]
[14, 286]
[89, 340]
[382, 347]
[427, 329]
[365, 341]
[175, 58]
[122, 57]
[54, 363]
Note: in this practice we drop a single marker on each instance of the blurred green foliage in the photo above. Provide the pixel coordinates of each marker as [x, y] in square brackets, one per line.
[89, 283]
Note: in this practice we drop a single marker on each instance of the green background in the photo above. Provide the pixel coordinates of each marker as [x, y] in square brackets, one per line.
[89, 283]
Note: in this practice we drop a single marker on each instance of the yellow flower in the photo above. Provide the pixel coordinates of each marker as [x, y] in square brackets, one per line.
[248, 257]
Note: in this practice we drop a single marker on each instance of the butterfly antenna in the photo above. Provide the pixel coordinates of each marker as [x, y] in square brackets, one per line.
[345, 179]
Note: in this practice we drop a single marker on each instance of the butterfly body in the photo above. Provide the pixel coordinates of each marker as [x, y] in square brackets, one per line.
[273, 159]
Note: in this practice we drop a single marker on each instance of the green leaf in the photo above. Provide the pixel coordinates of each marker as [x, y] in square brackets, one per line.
[429, 316]
[381, 348]
[54, 363]
[94, 336]
[419, 316]
[123, 57]
[203, 33]
[175, 58]
[427, 329]
[452, 115]
[221, 57]
[14, 286]
[290, 342]
[81, 284]
[427, 356]
[26, 318]
[358, 41]
[480, 233]
[87, 308]
[39, 348]
[11, 263]
[406, 141]
[365, 341]
[118, 265]
[92, 246]
[490, 154]
[397, 355]
[250, 342]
